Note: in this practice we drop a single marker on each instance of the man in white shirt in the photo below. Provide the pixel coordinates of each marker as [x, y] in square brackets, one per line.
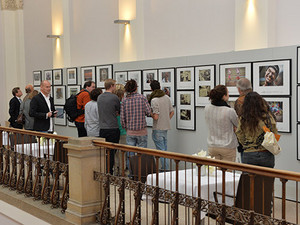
[42, 109]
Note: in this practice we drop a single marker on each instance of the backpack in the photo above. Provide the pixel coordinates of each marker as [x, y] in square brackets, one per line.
[71, 108]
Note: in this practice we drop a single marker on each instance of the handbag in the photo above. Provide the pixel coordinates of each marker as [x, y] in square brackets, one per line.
[270, 141]
[21, 119]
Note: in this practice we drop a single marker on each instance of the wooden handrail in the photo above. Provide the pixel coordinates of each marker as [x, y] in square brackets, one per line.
[34, 133]
[264, 171]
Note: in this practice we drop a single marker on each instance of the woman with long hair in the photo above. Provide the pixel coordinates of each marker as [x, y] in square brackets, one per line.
[221, 121]
[255, 115]
[25, 108]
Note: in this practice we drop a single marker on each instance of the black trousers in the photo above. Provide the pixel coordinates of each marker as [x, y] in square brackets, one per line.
[81, 129]
[111, 135]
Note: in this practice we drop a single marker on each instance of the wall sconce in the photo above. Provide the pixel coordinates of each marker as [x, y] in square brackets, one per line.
[122, 22]
[53, 36]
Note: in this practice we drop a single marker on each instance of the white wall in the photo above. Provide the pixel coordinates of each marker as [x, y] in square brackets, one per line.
[188, 27]
[94, 37]
[4, 102]
[287, 22]
[37, 25]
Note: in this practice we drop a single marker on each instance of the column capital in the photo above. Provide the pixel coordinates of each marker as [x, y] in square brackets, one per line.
[11, 4]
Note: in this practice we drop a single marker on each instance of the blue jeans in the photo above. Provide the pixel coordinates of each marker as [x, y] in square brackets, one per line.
[160, 139]
[264, 158]
[139, 141]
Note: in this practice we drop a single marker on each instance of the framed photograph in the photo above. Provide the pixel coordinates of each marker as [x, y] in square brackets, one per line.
[59, 95]
[72, 76]
[137, 76]
[60, 118]
[166, 77]
[298, 66]
[149, 120]
[57, 77]
[272, 77]
[185, 78]
[73, 90]
[103, 73]
[37, 78]
[204, 82]
[49, 76]
[121, 77]
[87, 74]
[298, 141]
[148, 76]
[281, 109]
[298, 105]
[231, 73]
[186, 119]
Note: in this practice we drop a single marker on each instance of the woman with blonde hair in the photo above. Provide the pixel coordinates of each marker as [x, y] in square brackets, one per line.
[25, 108]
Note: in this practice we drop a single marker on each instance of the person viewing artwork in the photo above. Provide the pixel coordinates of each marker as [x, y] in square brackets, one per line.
[221, 121]
[250, 133]
[14, 107]
[256, 114]
[91, 122]
[25, 108]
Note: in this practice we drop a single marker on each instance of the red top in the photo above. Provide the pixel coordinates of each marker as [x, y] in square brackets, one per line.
[83, 98]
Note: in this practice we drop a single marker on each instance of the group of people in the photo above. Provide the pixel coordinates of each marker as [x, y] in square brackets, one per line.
[37, 108]
[119, 115]
[241, 127]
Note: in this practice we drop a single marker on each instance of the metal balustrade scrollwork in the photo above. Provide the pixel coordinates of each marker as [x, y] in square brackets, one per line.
[35, 164]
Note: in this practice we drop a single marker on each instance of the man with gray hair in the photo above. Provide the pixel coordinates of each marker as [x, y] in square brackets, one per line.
[244, 87]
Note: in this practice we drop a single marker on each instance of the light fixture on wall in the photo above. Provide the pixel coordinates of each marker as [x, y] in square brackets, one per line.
[53, 36]
[125, 22]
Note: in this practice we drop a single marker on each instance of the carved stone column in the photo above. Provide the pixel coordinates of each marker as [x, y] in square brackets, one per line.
[11, 4]
[85, 198]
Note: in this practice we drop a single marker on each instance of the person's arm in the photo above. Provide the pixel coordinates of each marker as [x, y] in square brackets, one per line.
[233, 118]
[171, 114]
[155, 110]
[147, 107]
[240, 134]
[122, 116]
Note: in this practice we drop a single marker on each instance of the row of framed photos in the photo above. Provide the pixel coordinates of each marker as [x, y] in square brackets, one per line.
[186, 118]
[269, 78]
[94, 73]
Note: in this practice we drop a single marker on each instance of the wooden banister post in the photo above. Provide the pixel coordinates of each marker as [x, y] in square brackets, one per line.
[85, 196]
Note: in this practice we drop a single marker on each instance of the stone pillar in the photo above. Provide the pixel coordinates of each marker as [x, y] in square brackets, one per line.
[85, 198]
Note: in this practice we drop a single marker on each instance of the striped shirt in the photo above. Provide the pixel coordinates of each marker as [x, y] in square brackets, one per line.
[134, 110]
[221, 121]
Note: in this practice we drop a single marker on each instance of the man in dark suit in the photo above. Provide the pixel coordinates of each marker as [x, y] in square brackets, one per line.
[14, 107]
[42, 109]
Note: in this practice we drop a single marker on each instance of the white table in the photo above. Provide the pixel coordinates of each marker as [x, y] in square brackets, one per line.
[188, 184]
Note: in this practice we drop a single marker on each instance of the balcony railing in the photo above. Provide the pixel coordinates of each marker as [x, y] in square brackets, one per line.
[35, 164]
[228, 192]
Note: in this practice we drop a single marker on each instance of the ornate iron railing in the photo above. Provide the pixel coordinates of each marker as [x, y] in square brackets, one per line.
[35, 164]
[242, 194]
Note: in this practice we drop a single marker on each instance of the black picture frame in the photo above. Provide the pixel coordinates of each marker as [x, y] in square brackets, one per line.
[61, 117]
[185, 110]
[121, 77]
[37, 77]
[57, 77]
[103, 72]
[202, 101]
[72, 76]
[240, 70]
[298, 141]
[59, 94]
[48, 75]
[168, 86]
[284, 73]
[281, 109]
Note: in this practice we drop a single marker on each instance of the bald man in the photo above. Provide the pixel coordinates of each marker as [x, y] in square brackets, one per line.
[42, 109]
